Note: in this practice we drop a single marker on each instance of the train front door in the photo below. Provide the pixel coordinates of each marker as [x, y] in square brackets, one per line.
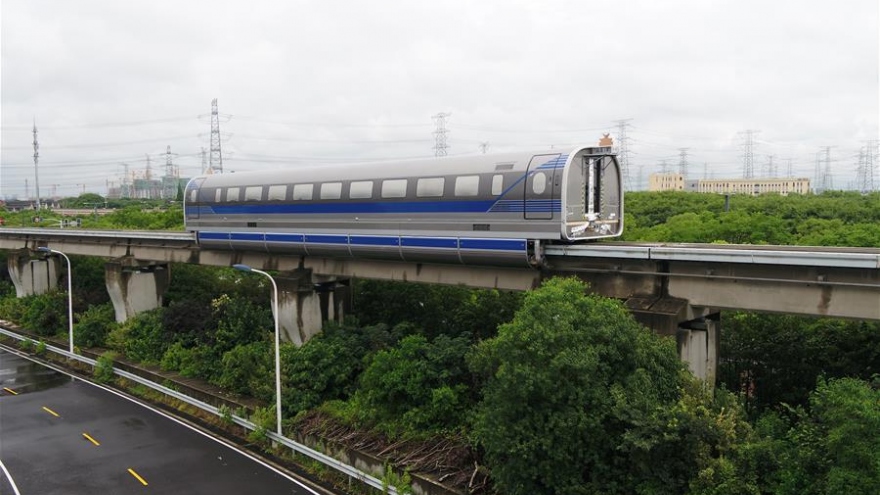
[541, 195]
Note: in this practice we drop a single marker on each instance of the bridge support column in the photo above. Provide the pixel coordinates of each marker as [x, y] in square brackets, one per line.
[135, 287]
[695, 328]
[698, 346]
[304, 306]
[335, 299]
[32, 276]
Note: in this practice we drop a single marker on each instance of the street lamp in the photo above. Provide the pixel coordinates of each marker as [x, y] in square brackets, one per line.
[44, 249]
[246, 268]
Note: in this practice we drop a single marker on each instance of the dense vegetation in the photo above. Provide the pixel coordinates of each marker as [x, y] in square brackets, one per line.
[128, 214]
[558, 391]
[834, 218]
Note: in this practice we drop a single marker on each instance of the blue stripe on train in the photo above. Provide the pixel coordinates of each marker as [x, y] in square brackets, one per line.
[361, 240]
[507, 205]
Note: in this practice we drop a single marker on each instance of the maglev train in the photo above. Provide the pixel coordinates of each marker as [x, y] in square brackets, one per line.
[490, 209]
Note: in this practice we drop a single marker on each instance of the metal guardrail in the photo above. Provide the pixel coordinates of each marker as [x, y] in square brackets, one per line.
[350, 471]
[867, 258]
[150, 235]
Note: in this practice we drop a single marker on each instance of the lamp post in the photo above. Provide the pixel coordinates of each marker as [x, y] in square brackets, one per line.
[246, 268]
[44, 249]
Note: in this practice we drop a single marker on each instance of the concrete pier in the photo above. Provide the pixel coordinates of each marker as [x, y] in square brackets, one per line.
[305, 305]
[32, 276]
[135, 286]
[696, 330]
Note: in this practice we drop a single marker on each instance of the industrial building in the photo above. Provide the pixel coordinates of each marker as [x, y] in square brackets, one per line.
[753, 187]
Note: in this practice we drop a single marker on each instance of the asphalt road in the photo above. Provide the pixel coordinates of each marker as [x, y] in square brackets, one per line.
[60, 435]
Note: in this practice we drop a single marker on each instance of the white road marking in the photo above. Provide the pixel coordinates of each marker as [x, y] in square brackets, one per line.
[223, 442]
[9, 477]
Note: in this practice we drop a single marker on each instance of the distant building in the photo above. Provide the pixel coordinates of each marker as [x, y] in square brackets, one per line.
[753, 187]
[665, 182]
[780, 185]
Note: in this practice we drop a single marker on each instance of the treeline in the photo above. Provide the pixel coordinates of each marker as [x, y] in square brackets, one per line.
[834, 218]
[127, 214]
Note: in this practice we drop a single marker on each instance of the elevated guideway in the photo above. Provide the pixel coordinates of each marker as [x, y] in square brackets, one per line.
[830, 281]
[675, 289]
[824, 281]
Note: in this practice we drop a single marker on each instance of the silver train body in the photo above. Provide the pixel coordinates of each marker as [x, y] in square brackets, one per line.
[484, 209]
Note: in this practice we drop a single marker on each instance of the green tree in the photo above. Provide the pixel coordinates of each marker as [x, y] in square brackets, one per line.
[565, 381]
[835, 447]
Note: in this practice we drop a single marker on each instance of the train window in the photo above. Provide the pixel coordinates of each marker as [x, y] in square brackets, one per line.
[497, 184]
[192, 195]
[331, 190]
[253, 193]
[432, 186]
[361, 189]
[539, 183]
[218, 194]
[232, 194]
[467, 185]
[277, 193]
[394, 188]
[302, 192]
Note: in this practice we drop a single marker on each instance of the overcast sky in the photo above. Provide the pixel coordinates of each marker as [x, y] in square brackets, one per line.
[110, 82]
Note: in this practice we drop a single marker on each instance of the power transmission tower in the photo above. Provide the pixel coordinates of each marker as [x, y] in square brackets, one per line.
[484, 147]
[440, 131]
[788, 172]
[148, 172]
[623, 152]
[36, 163]
[125, 189]
[169, 180]
[771, 169]
[204, 161]
[216, 155]
[748, 156]
[827, 182]
[869, 183]
[683, 162]
[664, 168]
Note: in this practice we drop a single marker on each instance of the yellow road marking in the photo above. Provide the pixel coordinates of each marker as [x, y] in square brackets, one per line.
[53, 413]
[13, 392]
[143, 481]
[89, 438]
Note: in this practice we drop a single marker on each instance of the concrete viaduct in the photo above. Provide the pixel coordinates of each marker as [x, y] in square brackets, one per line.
[675, 289]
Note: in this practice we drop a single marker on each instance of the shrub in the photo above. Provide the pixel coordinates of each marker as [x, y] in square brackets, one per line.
[417, 386]
[103, 371]
[94, 325]
[249, 369]
[46, 314]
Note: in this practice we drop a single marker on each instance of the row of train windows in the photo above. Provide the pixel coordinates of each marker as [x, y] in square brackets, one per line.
[429, 187]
